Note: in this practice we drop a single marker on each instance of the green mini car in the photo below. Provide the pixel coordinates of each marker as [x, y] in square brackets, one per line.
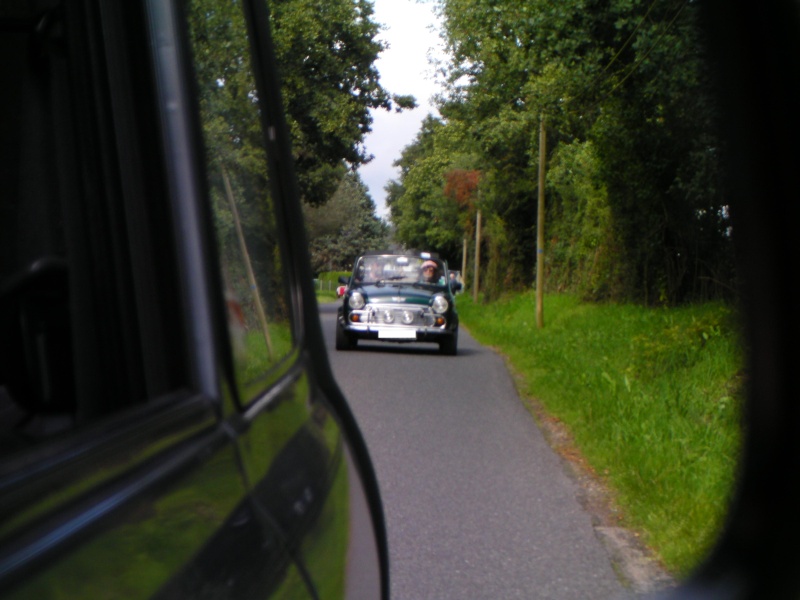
[399, 298]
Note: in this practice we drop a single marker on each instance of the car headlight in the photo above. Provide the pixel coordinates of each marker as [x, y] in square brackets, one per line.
[356, 300]
[440, 304]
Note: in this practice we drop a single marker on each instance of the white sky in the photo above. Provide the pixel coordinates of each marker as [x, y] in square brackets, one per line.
[404, 69]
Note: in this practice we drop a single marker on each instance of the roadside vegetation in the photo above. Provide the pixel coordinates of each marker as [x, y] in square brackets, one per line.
[343, 228]
[636, 206]
[651, 397]
[324, 296]
[326, 283]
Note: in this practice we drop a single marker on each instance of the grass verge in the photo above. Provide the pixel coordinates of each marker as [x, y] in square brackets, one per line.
[325, 296]
[651, 397]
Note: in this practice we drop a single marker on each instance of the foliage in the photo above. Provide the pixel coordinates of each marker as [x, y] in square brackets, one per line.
[326, 52]
[333, 275]
[635, 208]
[242, 207]
[461, 185]
[651, 397]
[461, 188]
[425, 215]
[344, 227]
[583, 252]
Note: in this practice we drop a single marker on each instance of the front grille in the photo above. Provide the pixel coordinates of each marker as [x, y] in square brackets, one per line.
[398, 315]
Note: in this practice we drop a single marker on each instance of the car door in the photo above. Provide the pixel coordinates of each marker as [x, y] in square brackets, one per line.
[169, 424]
[299, 446]
[116, 465]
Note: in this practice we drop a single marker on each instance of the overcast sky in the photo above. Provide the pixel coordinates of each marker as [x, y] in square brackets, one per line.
[404, 69]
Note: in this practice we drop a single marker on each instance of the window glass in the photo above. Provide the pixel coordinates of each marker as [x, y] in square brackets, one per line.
[87, 279]
[256, 288]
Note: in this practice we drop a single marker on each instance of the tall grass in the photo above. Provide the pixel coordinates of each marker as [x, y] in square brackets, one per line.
[651, 397]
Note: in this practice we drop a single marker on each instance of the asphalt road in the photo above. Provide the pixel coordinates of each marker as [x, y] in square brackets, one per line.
[476, 502]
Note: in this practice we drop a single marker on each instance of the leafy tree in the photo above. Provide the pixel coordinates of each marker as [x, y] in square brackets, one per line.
[660, 157]
[344, 227]
[423, 209]
[235, 151]
[582, 238]
[624, 89]
[326, 50]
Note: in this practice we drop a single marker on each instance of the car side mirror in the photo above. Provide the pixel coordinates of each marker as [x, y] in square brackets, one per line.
[344, 279]
[455, 286]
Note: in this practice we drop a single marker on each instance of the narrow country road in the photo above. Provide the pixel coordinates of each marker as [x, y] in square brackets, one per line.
[477, 504]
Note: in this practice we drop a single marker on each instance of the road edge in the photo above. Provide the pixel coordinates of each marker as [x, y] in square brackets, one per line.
[636, 564]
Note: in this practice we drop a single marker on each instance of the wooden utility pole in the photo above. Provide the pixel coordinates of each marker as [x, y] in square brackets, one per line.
[475, 278]
[464, 263]
[540, 230]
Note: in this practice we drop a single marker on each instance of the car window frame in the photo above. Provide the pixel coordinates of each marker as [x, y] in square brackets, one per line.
[107, 456]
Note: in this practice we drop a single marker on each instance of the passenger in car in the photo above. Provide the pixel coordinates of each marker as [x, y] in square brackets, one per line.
[375, 272]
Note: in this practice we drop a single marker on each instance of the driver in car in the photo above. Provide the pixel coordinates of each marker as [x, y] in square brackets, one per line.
[429, 272]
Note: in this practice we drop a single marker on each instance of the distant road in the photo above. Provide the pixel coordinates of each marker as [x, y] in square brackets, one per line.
[477, 504]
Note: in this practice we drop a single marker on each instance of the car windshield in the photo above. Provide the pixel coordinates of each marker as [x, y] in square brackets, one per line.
[396, 268]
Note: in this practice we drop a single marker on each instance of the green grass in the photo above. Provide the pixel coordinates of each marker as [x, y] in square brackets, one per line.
[256, 360]
[326, 296]
[651, 397]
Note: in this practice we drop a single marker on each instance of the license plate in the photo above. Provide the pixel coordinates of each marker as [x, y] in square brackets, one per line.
[397, 334]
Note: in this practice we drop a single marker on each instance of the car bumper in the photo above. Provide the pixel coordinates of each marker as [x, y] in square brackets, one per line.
[400, 334]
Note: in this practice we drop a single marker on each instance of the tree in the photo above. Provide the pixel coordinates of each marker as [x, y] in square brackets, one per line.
[623, 81]
[661, 159]
[344, 227]
[326, 51]
[237, 166]
[424, 215]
